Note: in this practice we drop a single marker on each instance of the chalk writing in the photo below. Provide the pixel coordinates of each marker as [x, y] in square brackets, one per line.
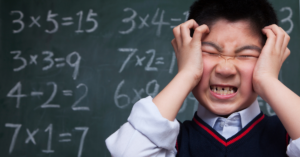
[159, 23]
[130, 19]
[52, 19]
[151, 53]
[85, 130]
[16, 92]
[19, 20]
[288, 19]
[153, 84]
[31, 136]
[49, 131]
[58, 62]
[46, 104]
[17, 88]
[14, 138]
[157, 20]
[17, 57]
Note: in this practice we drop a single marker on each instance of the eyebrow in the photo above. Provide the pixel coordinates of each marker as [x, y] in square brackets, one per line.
[213, 45]
[219, 48]
[248, 47]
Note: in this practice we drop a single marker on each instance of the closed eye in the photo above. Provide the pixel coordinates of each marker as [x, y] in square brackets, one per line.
[245, 56]
[212, 54]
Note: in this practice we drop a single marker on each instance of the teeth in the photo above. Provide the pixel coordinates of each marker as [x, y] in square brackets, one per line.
[227, 89]
[222, 90]
[215, 90]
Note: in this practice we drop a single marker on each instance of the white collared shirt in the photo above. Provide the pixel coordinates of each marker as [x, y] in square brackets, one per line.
[228, 127]
[147, 133]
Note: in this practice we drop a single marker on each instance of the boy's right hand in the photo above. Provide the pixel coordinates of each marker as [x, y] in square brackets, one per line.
[190, 69]
[188, 49]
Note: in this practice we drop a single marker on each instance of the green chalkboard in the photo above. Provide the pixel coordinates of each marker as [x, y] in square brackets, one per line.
[70, 71]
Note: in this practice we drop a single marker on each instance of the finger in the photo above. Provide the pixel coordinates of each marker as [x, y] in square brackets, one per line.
[287, 52]
[174, 44]
[280, 35]
[176, 32]
[199, 31]
[285, 42]
[271, 40]
[185, 30]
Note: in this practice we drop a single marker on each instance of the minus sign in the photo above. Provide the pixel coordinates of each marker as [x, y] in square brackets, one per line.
[36, 93]
[174, 19]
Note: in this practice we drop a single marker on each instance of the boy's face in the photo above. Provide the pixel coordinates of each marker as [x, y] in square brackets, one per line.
[228, 73]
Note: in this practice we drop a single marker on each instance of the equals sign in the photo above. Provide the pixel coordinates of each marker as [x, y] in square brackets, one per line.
[68, 21]
[60, 64]
[37, 93]
[159, 60]
[176, 20]
[67, 92]
[65, 135]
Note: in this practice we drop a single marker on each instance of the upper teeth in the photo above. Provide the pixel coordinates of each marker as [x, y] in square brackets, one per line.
[222, 90]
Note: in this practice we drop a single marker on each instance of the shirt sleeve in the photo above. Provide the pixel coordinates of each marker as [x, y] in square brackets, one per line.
[146, 133]
[293, 149]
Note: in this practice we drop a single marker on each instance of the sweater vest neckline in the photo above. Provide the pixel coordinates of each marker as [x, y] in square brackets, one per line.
[227, 142]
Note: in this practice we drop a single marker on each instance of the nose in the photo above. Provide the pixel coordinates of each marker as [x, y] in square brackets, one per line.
[225, 68]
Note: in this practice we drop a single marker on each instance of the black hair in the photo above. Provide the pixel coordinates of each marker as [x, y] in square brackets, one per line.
[260, 13]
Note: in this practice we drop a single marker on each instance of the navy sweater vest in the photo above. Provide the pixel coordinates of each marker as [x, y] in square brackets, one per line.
[263, 136]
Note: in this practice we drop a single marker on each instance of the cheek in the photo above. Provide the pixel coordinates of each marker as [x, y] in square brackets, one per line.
[246, 73]
[203, 85]
[207, 72]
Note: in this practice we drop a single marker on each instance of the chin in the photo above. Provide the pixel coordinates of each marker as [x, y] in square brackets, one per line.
[222, 109]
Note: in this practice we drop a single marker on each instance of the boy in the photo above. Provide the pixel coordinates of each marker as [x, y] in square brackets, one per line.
[235, 53]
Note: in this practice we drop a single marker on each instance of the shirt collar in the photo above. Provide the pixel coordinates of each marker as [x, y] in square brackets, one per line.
[246, 115]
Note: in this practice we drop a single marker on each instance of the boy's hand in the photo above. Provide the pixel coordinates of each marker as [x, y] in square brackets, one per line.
[272, 56]
[190, 69]
[188, 49]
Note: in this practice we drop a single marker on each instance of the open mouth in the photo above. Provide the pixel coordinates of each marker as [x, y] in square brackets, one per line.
[221, 90]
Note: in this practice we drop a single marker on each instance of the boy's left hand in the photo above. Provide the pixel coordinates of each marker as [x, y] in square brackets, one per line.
[272, 56]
